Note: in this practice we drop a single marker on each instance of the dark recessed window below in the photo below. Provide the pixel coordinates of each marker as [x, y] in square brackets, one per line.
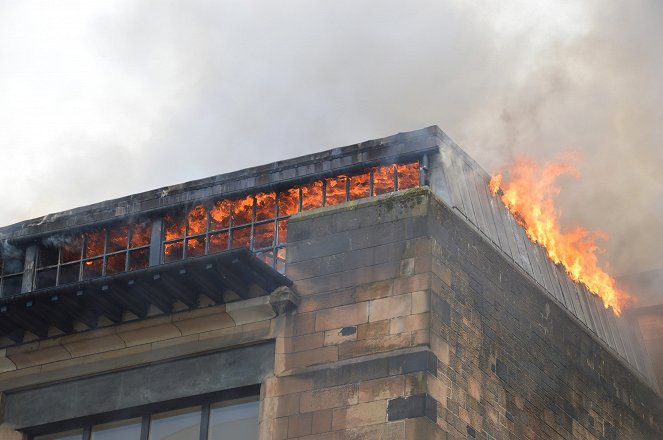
[228, 420]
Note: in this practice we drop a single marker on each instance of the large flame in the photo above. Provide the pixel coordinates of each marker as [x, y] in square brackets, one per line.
[529, 194]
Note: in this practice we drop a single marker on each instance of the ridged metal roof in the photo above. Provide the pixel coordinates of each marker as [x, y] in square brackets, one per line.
[463, 185]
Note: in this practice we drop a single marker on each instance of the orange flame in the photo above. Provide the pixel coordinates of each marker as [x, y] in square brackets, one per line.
[529, 196]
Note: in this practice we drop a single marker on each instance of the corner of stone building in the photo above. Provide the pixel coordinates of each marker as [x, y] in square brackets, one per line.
[7, 432]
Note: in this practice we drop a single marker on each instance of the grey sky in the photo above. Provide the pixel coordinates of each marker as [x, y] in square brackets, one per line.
[104, 99]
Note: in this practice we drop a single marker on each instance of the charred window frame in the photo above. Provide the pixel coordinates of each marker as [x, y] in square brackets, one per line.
[259, 221]
[93, 253]
[12, 266]
[252, 221]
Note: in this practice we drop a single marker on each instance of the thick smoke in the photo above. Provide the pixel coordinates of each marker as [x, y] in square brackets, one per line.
[186, 92]
[12, 258]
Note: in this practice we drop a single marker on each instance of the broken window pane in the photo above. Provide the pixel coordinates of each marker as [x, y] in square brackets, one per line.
[173, 251]
[92, 268]
[197, 220]
[267, 257]
[265, 206]
[218, 242]
[220, 215]
[173, 226]
[289, 202]
[94, 242]
[69, 273]
[141, 234]
[115, 263]
[360, 186]
[72, 248]
[241, 237]
[264, 235]
[312, 195]
[12, 285]
[46, 278]
[139, 259]
[243, 211]
[283, 231]
[195, 247]
[383, 179]
[118, 238]
[280, 260]
[47, 256]
[334, 190]
[408, 175]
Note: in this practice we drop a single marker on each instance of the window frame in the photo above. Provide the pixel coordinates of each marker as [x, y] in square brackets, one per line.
[232, 397]
[274, 254]
[83, 259]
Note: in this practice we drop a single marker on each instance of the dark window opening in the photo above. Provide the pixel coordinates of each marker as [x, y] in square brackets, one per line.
[226, 420]
[12, 260]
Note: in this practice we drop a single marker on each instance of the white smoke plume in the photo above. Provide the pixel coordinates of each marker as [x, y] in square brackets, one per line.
[103, 100]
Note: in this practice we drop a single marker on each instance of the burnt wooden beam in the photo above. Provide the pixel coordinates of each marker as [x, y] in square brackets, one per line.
[51, 315]
[18, 314]
[100, 304]
[234, 282]
[176, 289]
[199, 276]
[76, 310]
[120, 294]
[250, 268]
[148, 293]
[10, 330]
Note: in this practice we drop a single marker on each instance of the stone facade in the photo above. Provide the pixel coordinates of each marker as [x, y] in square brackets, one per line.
[412, 326]
[409, 324]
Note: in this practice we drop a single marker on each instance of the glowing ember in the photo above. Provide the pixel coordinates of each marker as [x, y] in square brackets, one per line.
[289, 202]
[529, 196]
[312, 195]
[383, 179]
[335, 193]
[243, 211]
[360, 186]
[265, 206]
[197, 220]
[408, 175]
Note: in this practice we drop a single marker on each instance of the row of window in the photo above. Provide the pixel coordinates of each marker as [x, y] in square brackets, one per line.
[219, 421]
[259, 221]
[256, 221]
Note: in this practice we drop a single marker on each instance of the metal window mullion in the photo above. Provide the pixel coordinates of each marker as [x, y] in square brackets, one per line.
[299, 206]
[145, 428]
[347, 188]
[371, 175]
[253, 225]
[395, 187]
[87, 432]
[231, 225]
[29, 269]
[104, 254]
[324, 192]
[423, 170]
[208, 226]
[156, 239]
[58, 266]
[204, 422]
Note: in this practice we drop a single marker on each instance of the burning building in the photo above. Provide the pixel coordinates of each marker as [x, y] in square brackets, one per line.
[377, 290]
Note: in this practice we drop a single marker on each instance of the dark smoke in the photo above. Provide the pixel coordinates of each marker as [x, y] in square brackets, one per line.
[12, 258]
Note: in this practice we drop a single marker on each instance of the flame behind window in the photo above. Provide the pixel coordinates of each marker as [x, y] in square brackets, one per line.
[250, 221]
